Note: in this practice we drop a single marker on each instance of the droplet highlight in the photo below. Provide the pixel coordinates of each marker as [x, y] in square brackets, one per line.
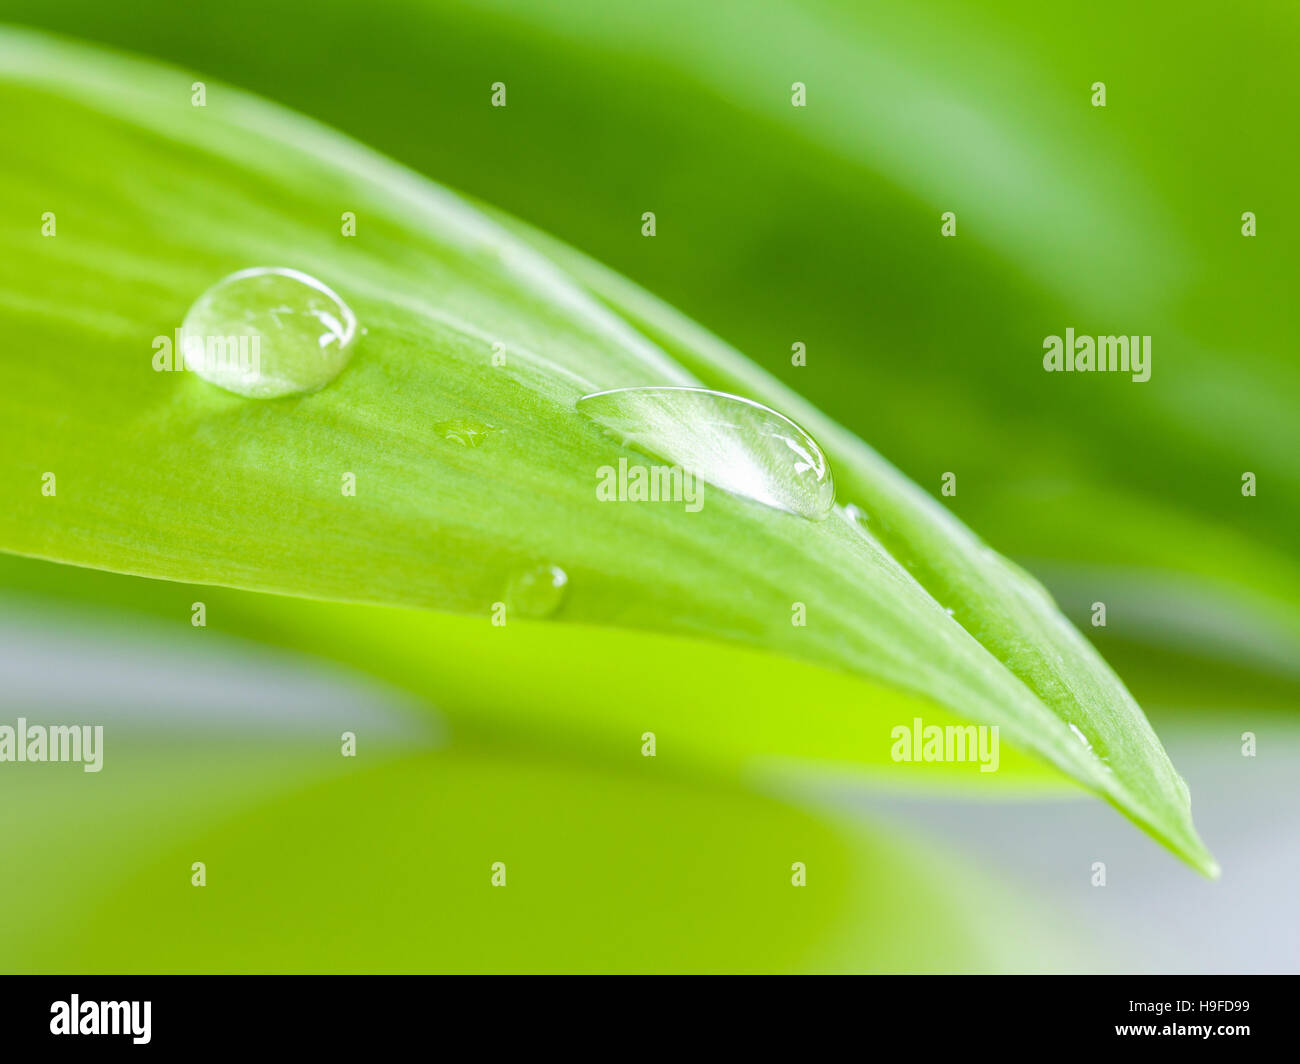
[268, 331]
[536, 591]
[735, 444]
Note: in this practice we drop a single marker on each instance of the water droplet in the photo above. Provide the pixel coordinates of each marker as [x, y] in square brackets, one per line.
[1080, 736]
[732, 443]
[856, 518]
[949, 611]
[465, 431]
[855, 515]
[268, 331]
[536, 591]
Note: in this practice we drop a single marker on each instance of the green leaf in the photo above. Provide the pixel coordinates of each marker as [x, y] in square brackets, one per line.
[821, 223]
[308, 869]
[231, 754]
[720, 710]
[160, 474]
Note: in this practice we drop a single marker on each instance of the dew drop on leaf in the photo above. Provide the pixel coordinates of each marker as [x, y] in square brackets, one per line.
[855, 515]
[536, 591]
[465, 431]
[734, 444]
[268, 331]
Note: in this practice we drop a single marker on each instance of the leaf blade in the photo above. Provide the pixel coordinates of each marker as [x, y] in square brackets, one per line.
[169, 478]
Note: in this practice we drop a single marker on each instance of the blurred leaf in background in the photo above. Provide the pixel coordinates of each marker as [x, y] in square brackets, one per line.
[222, 752]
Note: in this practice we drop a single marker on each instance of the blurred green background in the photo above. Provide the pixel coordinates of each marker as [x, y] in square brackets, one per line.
[776, 225]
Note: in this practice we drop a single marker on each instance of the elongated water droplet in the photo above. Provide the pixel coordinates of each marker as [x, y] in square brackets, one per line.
[1092, 745]
[732, 443]
[268, 331]
[536, 591]
[465, 431]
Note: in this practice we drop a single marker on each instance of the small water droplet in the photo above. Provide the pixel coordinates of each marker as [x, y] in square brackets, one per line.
[536, 591]
[856, 518]
[268, 331]
[949, 611]
[465, 431]
[732, 443]
[1080, 736]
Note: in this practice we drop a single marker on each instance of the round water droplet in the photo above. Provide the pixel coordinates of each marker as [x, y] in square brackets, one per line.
[268, 331]
[536, 591]
[735, 444]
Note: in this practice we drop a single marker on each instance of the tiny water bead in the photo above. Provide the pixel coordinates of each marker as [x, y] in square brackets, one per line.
[465, 431]
[1094, 746]
[855, 515]
[734, 444]
[536, 591]
[268, 331]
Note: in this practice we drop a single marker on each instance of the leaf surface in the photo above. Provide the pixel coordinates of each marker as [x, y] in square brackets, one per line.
[161, 474]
